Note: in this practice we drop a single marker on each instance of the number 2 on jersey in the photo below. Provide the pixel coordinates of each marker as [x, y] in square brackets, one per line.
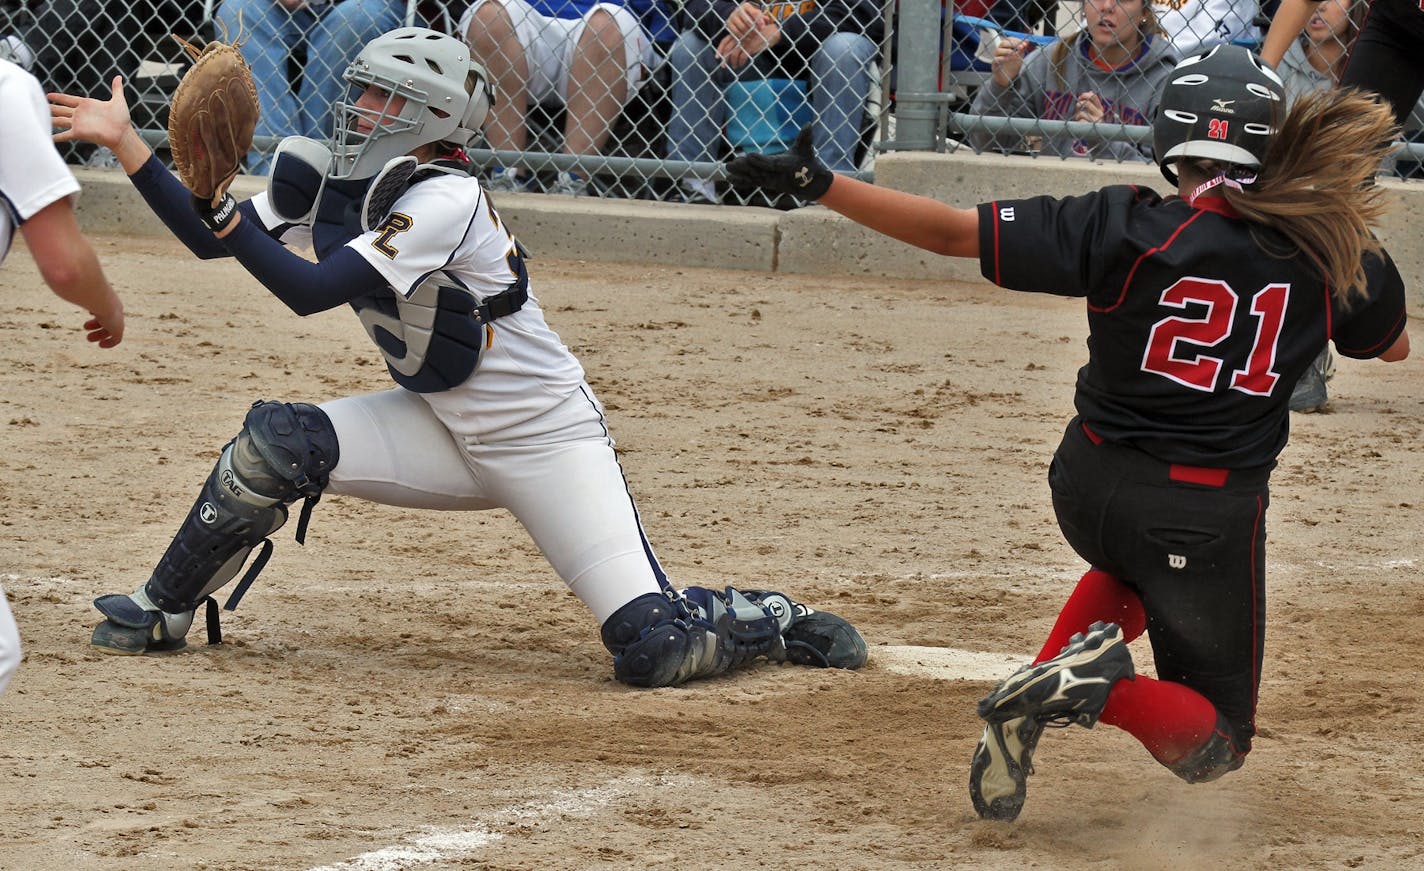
[1200, 371]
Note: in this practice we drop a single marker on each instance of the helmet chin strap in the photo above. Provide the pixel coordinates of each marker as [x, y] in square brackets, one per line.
[1220, 179]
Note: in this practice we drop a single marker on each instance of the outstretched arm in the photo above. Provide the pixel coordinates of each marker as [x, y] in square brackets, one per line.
[919, 221]
[304, 286]
[107, 123]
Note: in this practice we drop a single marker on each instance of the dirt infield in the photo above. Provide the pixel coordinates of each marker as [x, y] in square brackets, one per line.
[417, 690]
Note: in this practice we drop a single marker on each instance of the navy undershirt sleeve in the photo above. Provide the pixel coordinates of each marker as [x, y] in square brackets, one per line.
[304, 286]
[173, 204]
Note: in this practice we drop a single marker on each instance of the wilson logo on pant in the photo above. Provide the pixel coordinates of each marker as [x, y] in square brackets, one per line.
[1176, 561]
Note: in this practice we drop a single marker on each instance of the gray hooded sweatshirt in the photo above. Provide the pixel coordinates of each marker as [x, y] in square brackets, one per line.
[1129, 94]
[1298, 76]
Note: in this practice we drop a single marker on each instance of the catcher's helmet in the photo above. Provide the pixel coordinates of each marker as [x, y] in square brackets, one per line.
[1221, 105]
[446, 98]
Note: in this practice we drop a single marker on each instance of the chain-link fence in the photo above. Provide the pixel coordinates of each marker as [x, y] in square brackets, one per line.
[643, 99]
[297, 49]
[1081, 78]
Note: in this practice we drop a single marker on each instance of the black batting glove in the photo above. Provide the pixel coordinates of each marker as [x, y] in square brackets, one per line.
[796, 172]
[216, 218]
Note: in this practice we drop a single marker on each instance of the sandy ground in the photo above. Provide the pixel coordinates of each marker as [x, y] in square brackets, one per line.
[417, 690]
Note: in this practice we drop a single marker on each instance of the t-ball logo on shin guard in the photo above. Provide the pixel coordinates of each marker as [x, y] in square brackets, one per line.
[207, 513]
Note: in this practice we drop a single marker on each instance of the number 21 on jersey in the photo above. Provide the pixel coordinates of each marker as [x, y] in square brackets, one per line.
[1166, 356]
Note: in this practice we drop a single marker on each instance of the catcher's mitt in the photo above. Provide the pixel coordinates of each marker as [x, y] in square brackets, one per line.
[211, 119]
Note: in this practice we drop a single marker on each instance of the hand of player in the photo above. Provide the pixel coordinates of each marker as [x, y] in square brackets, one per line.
[86, 119]
[796, 172]
[102, 122]
[106, 329]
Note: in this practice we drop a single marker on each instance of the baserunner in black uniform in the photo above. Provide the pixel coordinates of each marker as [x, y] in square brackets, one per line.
[1203, 310]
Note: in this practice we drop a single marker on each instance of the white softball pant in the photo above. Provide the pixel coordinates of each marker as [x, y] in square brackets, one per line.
[9, 644]
[557, 474]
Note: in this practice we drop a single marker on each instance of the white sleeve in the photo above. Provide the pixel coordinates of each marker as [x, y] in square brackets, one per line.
[32, 175]
[9, 644]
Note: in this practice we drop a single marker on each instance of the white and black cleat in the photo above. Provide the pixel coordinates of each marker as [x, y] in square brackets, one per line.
[1072, 687]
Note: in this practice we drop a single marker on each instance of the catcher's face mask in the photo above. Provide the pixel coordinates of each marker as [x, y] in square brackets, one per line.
[411, 87]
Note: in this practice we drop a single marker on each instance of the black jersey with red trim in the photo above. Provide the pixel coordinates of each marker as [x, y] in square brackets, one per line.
[1199, 323]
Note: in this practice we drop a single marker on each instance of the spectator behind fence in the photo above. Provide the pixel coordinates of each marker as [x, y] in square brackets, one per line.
[1196, 25]
[1387, 57]
[1108, 72]
[1315, 60]
[828, 45]
[320, 38]
[587, 56]
[74, 45]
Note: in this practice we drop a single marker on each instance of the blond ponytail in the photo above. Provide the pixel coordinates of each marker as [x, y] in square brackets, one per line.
[1317, 183]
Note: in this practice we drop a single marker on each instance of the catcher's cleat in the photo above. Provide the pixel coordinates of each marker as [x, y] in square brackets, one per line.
[998, 774]
[131, 629]
[811, 637]
[1072, 687]
[666, 639]
[110, 637]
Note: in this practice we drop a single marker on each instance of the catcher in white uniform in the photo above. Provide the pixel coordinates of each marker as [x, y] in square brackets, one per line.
[36, 198]
[491, 409]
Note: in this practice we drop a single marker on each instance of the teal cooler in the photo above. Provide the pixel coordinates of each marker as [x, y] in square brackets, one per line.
[764, 115]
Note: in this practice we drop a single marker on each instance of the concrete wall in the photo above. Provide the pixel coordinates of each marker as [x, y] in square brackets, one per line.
[811, 241]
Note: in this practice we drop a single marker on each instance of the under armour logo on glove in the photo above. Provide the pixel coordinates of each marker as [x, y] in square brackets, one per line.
[795, 173]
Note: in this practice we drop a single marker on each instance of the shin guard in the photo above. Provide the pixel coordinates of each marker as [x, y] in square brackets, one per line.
[285, 452]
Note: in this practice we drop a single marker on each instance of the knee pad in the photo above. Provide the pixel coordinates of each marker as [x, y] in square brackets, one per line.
[285, 452]
[1212, 760]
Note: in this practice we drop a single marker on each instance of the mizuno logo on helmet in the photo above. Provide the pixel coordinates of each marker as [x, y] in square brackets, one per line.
[1223, 106]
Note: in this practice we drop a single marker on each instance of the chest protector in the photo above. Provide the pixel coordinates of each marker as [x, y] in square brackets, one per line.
[432, 339]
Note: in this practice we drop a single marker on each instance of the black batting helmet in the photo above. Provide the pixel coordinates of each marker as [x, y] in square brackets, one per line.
[1222, 105]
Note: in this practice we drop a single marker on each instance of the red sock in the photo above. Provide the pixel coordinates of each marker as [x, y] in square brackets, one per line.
[1098, 596]
[1169, 719]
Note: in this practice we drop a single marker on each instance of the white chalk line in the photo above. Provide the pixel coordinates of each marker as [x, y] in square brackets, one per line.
[448, 844]
[438, 845]
[946, 663]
